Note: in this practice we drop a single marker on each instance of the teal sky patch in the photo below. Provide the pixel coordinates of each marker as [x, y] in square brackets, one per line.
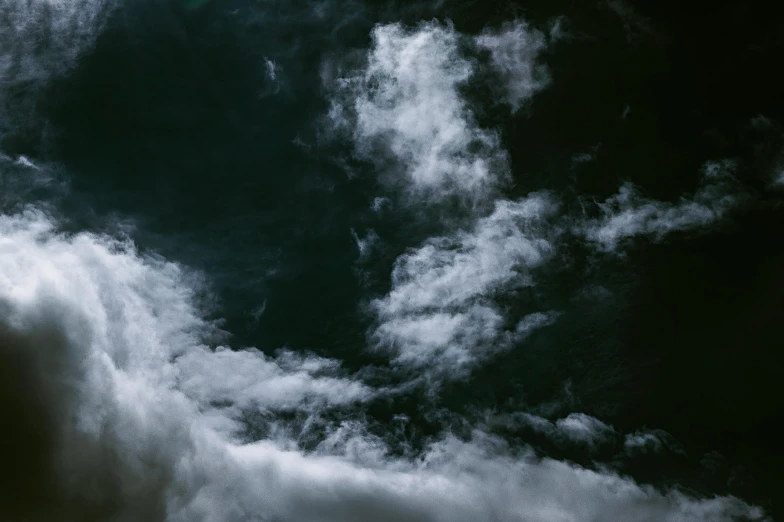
[195, 4]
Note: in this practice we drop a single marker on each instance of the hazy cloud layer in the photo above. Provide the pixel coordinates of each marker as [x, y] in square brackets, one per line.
[45, 37]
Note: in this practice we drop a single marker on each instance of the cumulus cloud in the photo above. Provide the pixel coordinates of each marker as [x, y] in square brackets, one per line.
[112, 403]
[439, 315]
[404, 108]
[629, 214]
[514, 50]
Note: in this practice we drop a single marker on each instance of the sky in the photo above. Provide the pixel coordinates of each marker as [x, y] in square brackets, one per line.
[401, 261]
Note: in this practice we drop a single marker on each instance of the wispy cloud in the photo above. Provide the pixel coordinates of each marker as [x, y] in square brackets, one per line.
[515, 49]
[629, 214]
[439, 315]
[405, 112]
[70, 26]
[650, 441]
[574, 429]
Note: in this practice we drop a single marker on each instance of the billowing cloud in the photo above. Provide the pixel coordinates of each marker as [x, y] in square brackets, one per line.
[439, 315]
[405, 112]
[514, 51]
[117, 410]
[629, 214]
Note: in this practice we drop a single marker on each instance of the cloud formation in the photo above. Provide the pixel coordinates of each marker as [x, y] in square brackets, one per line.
[40, 40]
[439, 315]
[514, 51]
[118, 407]
[45, 37]
[629, 214]
[576, 429]
[117, 410]
[405, 112]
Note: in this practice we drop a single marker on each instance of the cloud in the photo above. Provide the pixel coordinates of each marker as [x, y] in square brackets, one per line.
[275, 76]
[404, 112]
[439, 315]
[115, 409]
[576, 429]
[22, 180]
[365, 245]
[650, 441]
[514, 51]
[45, 37]
[628, 214]
[40, 39]
[584, 428]
[237, 382]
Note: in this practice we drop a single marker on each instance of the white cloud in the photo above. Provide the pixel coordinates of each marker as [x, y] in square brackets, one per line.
[514, 51]
[575, 429]
[115, 397]
[246, 380]
[23, 161]
[584, 428]
[404, 106]
[439, 315]
[650, 441]
[629, 214]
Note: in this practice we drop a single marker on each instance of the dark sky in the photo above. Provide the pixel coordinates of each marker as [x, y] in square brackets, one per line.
[170, 125]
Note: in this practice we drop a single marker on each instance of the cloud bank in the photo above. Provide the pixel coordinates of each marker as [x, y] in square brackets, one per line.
[118, 410]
